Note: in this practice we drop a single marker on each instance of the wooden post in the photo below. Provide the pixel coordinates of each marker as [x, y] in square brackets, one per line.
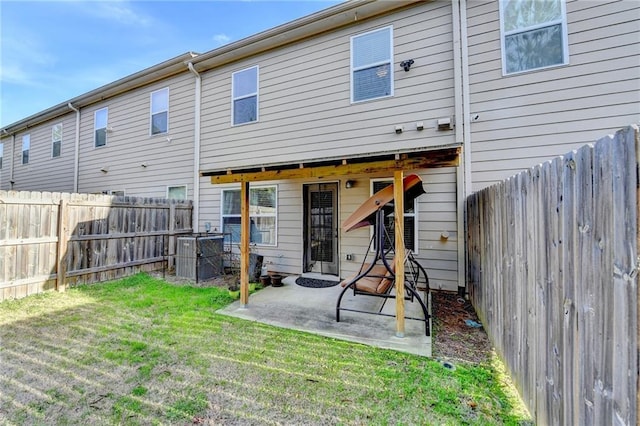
[398, 202]
[244, 244]
[171, 236]
[62, 246]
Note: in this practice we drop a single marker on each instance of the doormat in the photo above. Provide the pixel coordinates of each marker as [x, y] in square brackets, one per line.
[315, 283]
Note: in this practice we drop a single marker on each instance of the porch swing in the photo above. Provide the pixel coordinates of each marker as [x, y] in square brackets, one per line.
[377, 277]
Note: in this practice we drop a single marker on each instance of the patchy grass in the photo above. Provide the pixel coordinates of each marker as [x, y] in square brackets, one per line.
[142, 351]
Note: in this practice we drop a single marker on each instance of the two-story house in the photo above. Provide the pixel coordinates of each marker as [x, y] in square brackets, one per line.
[317, 114]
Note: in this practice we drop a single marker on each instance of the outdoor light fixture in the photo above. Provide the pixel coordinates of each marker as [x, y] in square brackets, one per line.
[406, 65]
[399, 129]
[349, 184]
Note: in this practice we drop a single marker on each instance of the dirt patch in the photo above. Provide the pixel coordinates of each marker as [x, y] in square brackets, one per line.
[455, 338]
[223, 281]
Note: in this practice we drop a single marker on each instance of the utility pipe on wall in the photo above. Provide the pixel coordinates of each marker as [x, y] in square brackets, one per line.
[196, 150]
[461, 114]
[13, 159]
[76, 152]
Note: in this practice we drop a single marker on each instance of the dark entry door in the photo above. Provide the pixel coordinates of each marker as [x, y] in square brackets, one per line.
[321, 228]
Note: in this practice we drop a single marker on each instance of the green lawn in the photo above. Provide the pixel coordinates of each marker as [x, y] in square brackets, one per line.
[141, 351]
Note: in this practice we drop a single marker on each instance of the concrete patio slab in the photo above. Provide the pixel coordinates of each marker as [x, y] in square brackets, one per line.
[314, 310]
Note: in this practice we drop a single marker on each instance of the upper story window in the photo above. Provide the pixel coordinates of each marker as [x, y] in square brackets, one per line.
[56, 140]
[177, 192]
[533, 34]
[1, 154]
[160, 111]
[245, 96]
[26, 146]
[410, 220]
[100, 119]
[263, 213]
[372, 65]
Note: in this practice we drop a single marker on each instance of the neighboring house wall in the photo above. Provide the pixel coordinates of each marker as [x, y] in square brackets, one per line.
[168, 157]
[305, 110]
[527, 118]
[43, 172]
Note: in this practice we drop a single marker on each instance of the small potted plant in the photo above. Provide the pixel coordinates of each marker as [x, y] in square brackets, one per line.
[276, 280]
[234, 290]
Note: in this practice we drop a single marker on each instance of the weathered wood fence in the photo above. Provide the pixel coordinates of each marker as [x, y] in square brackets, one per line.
[53, 240]
[553, 262]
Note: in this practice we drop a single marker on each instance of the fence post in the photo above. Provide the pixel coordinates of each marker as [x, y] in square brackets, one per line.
[62, 246]
[172, 228]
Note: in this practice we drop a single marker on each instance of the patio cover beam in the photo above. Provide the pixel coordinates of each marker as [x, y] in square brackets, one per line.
[244, 244]
[448, 157]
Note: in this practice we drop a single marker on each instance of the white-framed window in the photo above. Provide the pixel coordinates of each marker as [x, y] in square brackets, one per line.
[26, 146]
[372, 65]
[410, 219]
[56, 140]
[178, 192]
[263, 213]
[1, 154]
[100, 120]
[244, 96]
[533, 35]
[160, 111]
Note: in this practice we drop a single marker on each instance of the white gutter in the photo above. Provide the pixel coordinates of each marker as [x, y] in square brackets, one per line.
[76, 151]
[196, 150]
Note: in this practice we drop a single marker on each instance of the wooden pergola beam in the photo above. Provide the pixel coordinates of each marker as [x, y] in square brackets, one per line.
[448, 157]
[244, 244]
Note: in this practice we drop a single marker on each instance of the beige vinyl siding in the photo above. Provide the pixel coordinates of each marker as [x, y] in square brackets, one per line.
[129, 144]
[527, 118]
[42, 173]
[304, 97]
[437, 214]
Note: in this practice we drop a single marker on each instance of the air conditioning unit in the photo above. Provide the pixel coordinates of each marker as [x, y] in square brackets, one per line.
[200, 257]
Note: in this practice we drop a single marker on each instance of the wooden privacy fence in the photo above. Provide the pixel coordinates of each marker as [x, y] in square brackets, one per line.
[53, 240]
[553, 275]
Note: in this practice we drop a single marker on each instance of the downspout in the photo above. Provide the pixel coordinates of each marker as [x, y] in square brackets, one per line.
[196, 150]
[461, 172]
[13, 159]
[465, 96]
[466, 117]
[3, 155]
[76, 152]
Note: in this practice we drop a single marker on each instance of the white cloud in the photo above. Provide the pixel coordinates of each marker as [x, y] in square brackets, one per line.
[221, 39]
[121, 12]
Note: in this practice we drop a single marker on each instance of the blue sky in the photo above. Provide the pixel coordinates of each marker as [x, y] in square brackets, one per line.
[53, 51]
